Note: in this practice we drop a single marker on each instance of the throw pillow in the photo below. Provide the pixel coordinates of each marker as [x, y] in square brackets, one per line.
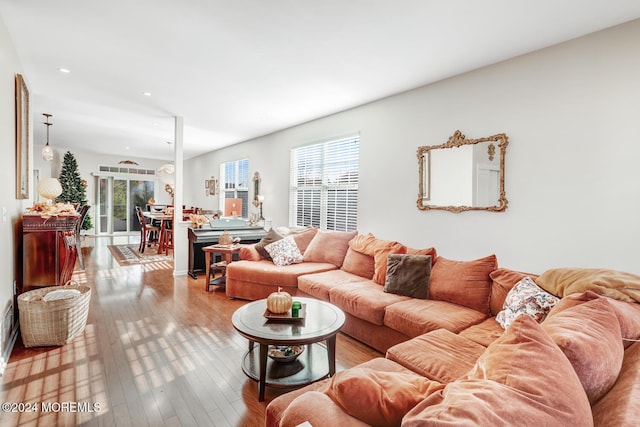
[465, 283]
[363, 243]
[522, 378]
[314, 408]
[589, 336]
[380, 258]
[408, 275]
[611, 283]
[359, 264]
[249, 253]
[628, 313]
[379, 398]
[304, 237]
[526, 298]
[329, 247]
[503, 281]
[272, 236]
[427, 251]
[284, 252]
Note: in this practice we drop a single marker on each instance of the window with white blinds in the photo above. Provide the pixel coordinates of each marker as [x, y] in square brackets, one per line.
[234, 181]
[324, 185]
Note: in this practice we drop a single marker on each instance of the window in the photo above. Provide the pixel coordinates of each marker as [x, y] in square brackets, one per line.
[234, 182]
[324, 185]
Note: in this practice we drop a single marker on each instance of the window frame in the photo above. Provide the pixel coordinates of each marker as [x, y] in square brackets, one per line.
[330, 171]
[238, 189]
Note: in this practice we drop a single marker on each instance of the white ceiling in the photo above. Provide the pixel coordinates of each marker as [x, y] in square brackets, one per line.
[235, 70]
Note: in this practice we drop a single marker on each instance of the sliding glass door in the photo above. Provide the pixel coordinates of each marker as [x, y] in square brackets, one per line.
[117, 200]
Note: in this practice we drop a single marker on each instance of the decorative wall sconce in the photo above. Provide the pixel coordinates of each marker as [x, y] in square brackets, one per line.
[47, 151]
[211, 185]
[256, 189]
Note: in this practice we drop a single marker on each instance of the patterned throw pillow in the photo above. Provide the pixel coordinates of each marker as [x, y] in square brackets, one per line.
[284, 251]
[526, 298]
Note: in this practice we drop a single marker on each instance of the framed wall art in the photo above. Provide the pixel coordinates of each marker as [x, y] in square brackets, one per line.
[22, 138]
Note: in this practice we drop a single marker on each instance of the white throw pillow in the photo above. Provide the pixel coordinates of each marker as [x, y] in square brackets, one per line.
[526, 298]
[284, 251]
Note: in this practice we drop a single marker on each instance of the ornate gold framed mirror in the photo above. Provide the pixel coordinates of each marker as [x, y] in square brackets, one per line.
[463, 174]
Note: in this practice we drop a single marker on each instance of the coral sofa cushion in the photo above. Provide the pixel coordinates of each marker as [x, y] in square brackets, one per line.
[484, 333]
[523, 378]
[589, 335]
[628, 313]
[408, 275]
[379, 398]
[271, 236]
[503, 280]
[414, 316]
[318, 285]
[381, 257]
[619, 407]
[363, 243]
[249, 253]
[315, 408]
[618, 285]
[304, 237]
[426, 251]
[364, 300]
[329, 246]
[276, 408]
[439, 355]
[465, 283]
[358, 263]
[526, 298]
[377, 249]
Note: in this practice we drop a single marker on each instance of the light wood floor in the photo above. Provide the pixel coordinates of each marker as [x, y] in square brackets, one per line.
[157, 350]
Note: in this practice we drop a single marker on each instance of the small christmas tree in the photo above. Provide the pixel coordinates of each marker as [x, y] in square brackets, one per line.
[74, 189]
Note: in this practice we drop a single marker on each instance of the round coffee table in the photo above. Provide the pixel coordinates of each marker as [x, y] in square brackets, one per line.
[322, 321]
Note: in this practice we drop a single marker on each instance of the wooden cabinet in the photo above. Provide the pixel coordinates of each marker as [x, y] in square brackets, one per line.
[49, 250]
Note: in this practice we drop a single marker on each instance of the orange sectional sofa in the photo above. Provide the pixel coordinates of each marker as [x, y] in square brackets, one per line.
[447, 359]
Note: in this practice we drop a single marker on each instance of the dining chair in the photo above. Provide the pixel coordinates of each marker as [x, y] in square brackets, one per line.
[83, 213]
[147, 231]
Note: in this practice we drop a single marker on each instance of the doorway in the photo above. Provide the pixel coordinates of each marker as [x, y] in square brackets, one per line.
[117, 200]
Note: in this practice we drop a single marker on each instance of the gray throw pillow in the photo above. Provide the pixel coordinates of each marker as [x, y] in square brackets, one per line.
[272, 236]
[408, 275]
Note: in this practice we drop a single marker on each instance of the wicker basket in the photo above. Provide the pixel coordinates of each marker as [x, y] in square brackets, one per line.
[56, 322]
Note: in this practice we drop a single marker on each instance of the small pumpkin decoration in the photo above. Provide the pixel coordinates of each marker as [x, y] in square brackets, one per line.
[279, 302]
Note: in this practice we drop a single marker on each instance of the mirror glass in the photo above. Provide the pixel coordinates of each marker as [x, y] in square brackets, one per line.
[463, 174]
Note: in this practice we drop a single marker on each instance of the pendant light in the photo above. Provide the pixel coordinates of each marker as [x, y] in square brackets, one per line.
[47, 151]
[168, 168]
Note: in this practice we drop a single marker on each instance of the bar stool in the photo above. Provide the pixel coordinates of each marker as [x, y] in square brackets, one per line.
[166, 240]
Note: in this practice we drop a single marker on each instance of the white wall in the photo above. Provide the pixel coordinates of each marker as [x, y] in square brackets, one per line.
[10, 207]
[572, 179]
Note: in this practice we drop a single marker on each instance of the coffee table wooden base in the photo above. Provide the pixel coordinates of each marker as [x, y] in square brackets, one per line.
[312, 365]
[322, 323]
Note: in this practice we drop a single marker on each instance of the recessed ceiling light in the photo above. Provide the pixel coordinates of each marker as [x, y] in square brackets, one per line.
[64, 70]
[146, 93]
[126, 148]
